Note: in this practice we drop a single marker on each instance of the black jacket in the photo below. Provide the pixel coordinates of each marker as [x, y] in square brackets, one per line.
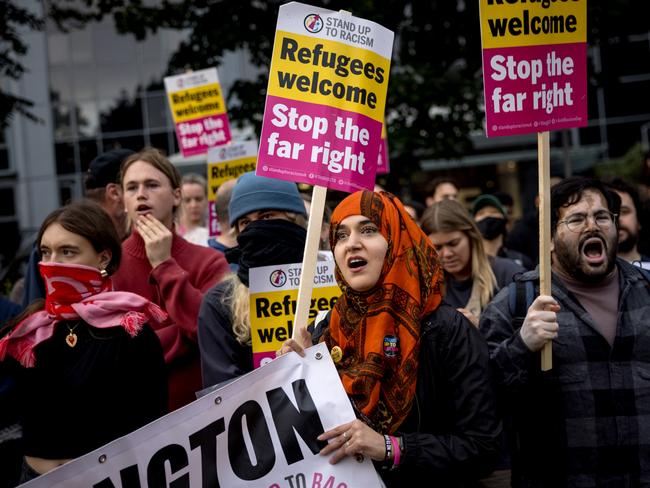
[451, 435]
[76, 399]
[584, 423]
[223, 358]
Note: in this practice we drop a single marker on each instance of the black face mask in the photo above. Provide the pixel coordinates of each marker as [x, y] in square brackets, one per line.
[492, 227]
[266, 243]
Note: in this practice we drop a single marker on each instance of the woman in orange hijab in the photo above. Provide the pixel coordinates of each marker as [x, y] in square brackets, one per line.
[415, 370]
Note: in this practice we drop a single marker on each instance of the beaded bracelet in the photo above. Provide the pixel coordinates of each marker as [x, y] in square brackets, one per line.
[389, 448]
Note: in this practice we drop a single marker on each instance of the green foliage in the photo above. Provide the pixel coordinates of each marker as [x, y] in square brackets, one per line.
[12, 48]
[435, 90]
[627, 167]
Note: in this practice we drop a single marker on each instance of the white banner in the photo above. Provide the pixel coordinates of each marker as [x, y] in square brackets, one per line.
[258, 431]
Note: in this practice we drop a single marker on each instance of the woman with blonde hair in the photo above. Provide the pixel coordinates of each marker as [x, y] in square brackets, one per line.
[269, 218]
[471, 276]
[194, 207]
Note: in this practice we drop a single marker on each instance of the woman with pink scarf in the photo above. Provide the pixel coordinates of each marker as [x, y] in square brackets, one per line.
[87, 365]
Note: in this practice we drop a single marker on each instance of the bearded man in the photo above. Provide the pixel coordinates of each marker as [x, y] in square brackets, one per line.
[629, 226]
[584, 422]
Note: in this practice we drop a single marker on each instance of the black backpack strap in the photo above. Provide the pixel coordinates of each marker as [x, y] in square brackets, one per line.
[645, 273]
[520, 296]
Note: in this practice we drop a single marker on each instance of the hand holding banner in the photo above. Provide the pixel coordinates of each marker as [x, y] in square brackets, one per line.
[260, 430]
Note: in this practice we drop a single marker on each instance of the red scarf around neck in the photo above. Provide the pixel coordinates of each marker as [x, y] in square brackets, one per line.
[73, 292]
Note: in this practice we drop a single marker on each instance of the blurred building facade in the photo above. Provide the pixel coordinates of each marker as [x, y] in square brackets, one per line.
[93, 89]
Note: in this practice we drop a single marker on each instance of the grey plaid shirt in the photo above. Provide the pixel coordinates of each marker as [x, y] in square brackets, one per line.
[585, 423]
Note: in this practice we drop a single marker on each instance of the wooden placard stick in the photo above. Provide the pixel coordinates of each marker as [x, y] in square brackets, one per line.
[544, 168]
[309, 258]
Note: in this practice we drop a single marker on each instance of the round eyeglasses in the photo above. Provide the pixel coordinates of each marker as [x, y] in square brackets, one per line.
[578, 222]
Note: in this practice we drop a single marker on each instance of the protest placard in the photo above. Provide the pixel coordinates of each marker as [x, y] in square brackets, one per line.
[326, 97]
[227, 163]
[259, 430]
[535, 80]
[383, 164]
[324, 110]
[534, 65]
[198, 110]
[273, 300]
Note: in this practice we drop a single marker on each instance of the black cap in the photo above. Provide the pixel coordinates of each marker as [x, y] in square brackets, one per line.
[486, 200]
[105, 168]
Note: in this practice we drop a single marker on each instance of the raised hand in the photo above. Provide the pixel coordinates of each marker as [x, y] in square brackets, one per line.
[157, 239]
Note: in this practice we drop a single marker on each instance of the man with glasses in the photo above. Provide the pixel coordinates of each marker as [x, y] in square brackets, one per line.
[586, 422]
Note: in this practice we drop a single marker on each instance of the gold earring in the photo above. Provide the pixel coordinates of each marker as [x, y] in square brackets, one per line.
[104, 273]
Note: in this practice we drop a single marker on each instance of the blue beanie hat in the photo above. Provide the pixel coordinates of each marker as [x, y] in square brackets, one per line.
[253, 193]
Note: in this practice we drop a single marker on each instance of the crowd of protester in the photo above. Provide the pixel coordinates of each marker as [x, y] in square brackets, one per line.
[130, 306]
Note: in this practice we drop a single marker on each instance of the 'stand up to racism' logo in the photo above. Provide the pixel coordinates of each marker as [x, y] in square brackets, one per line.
[313, 23]
[278, 278]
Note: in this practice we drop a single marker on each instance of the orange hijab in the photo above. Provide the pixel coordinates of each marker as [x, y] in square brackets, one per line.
[379, 329]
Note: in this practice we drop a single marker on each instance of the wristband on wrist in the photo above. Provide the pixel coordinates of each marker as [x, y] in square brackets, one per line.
[389, 448]
[396, 451]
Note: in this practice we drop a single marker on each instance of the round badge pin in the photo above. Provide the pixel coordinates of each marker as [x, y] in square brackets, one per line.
[391, 346]
[336, 353]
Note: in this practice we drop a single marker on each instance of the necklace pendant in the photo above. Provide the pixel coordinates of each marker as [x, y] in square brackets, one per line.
[71, 339]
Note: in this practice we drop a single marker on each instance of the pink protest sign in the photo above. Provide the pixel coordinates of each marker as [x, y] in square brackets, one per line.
[534, 66]
[383, 163]
[326, 97]
[198, 110]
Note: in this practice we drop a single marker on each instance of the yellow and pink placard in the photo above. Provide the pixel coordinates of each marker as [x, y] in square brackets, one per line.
[326, 98]
[198, 110]
[534, 65]
[273, 301]
[227, 163]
